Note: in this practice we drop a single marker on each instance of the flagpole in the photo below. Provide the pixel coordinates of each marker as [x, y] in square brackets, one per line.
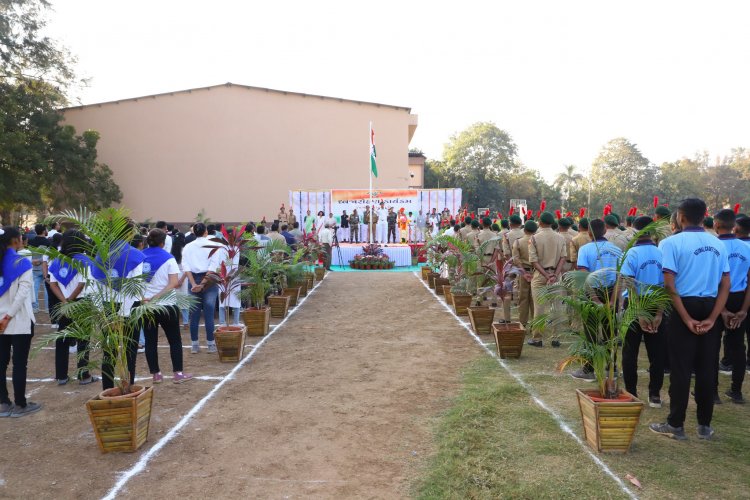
[369, 169]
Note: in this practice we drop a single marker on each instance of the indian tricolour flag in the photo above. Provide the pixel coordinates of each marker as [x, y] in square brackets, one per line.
[373, 165]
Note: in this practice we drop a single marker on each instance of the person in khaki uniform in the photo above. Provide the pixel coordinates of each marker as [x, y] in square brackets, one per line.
[283, 217]
[471, 236]
[463, 233]
[563, 230]
[663, 212]
[292, 219]
[485, 235]
[514, 233]
[521, 261]
[613, 234]
[578, 241]
[629, 229]
[547, 254]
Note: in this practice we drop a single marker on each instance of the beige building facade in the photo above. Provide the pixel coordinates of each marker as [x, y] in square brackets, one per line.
[234, 152]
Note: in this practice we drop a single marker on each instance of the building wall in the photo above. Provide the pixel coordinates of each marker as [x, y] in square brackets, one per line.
[235, 151]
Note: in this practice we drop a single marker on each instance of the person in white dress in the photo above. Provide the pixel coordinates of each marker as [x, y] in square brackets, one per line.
[382, 226]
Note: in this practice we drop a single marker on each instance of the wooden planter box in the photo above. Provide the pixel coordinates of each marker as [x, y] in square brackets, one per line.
[509, 338]
[461, 303]
[303, 288]
[310, 277]
[425, 271]
[230, 342]
[439, 283]
[319, 273]
[257, 321]
[293, 294]
[279, 305]
[121, 423]
[609, 425]
[431, 279]
[481, 318]
[447, 294]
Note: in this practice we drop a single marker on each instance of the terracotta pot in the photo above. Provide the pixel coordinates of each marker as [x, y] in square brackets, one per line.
[230, 342]
[279, 305]
[257, 321]
[439, 284]
[319, 273]
[509, 339]
[609, 425]
[481, 318]
[431, 279]
[121, 422]
[447, 294]
[293, 294]
[461, 303]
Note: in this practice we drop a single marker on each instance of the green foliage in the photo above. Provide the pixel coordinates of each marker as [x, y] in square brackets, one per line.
[620, 173]
[98, 317]
[263, 266]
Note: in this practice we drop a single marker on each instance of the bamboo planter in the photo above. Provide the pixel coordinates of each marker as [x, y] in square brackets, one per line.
[121, 423]
[481, 318]
[431, 279]
[447, 294]
[461, 303]
[509, 339]
[425, 271]
[293, 294]
[279, 305]
[439, 283]
[257, 321]
[230, 342]
[609, 425]
[319, 273]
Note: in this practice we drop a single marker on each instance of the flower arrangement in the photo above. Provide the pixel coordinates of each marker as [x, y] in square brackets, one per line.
[372, 257]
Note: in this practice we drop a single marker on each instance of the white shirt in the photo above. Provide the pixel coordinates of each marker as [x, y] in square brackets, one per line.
[68, 290]
[168, 244]
[16, 303]
[51, 233]
[382, 216]
[325, 236]
[161, 280]
[450, 232]
[195, 257]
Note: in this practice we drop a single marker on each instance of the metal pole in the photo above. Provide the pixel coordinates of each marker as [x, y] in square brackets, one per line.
[372, 208]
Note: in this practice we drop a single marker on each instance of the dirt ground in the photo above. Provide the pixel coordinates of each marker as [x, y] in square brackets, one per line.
[338, 403]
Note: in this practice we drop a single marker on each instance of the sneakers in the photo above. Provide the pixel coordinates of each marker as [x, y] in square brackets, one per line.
[141, 348]
[725, 368]
[736, 397]
[535, 343]
[705, 432]
[30, 408]
[654, 401]
[158, 378]
[62, 381]
[195, 348]
[212, 347]
[667, 430]
[6, 409]
[88, 380]
[582, 374]
[180, 377]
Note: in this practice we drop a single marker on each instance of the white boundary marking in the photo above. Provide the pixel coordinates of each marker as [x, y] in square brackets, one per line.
[137, 379]
[538, 400]
[140, 465]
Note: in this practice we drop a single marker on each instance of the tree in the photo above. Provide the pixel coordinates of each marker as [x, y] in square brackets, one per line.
[478, 160]
[567, 182]
[681, 179]
[621, 175]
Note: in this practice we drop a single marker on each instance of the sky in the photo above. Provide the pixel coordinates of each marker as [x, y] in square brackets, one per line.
[562, 78]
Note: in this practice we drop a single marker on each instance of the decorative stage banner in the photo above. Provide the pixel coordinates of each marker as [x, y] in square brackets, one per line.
[338, 200]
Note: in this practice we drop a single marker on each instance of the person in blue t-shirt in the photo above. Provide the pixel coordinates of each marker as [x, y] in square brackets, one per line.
[696, 274]
[643, 263]
[742, 230]
[734, 314]
[598, 255]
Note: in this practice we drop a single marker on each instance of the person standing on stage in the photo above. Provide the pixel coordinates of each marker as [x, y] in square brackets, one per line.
[420, 223]
[382, 224]
[366, 222]
[354, 227]
[282, 216]
[391, 218]
[345, 226]
[434, 220]
[309, 222]
[292, 219]
[734, 316]
[696, 273]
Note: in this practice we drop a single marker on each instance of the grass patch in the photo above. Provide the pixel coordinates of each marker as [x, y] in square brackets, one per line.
[494, 442]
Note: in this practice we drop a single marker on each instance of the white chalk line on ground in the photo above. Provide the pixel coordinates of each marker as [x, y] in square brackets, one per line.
[534, 396]
[159, 346]
[137, 379]
[140, 465]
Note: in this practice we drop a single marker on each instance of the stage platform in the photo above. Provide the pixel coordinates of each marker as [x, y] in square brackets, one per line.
[398, 253]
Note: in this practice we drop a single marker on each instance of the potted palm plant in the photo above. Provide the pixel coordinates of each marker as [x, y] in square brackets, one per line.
[600, 321]
[121, 415]
[230, 339]
[262, 264]
[294, 272]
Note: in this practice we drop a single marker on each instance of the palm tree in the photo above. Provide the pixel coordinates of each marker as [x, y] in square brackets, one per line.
[566, 182]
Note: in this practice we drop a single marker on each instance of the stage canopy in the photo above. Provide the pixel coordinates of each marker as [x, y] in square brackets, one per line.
[338, 200]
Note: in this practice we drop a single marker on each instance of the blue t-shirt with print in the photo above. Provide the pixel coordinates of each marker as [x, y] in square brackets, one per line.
[643, 262]
[697, 260]
[738, 254]
[600, 254]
